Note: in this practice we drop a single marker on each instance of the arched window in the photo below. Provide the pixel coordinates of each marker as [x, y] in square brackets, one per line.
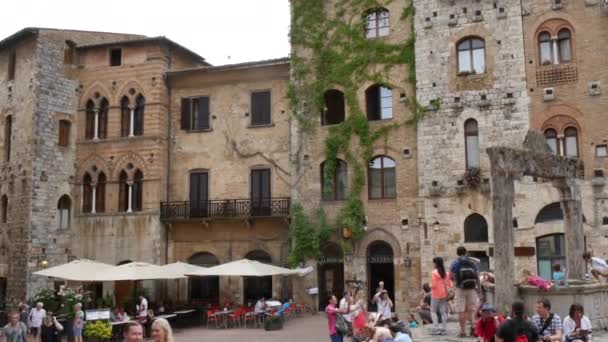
[381, 178]
[64, 206]
[333, 187]
[4, 214]
[550, 250]
[137, 191]
[564, 46]
[472, 56]
[100, 193]
[334, 112]
[102, 130]
[87, 193]
[551, 139]
[471, 143]
[377, 23]
[379, 102]
[571, 142]
[545, 48]
[123, 191]
[549, 213]
[475, 229]
[90, 120]
[138, 115]
[125, 116]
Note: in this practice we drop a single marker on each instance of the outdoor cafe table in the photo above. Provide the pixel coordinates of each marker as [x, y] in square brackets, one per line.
[223, 315]
[273, 303]
[167, 317]
[185, 317]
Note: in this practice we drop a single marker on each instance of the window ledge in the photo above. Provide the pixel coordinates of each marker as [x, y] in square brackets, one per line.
[380, 120]
[118, 139]
[468, 74]
[205, 130]
[392, 199]
[261, 125]
[119, 213]
[332, 201]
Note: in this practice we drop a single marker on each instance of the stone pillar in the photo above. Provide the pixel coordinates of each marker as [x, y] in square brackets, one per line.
[93, 200]
[573, 227]
[96, 126]
[129, 197]
[131, 120]
[503, 196]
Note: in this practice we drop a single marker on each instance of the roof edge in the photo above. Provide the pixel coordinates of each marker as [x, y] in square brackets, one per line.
[25, 32]
[236, 66]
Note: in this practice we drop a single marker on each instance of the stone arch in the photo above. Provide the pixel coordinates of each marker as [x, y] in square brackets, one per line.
[87, 166]
[98, 87]
[560, 122]
[133, 158]
[124, 90]
[382, 235]
[553, 26]
[558, 110]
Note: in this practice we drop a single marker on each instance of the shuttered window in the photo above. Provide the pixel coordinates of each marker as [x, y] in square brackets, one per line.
[64, 133]
[100, 194]
[260, 108]
[195, 113]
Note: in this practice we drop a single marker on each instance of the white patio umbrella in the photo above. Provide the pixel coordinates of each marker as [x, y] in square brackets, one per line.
[136, 271]
[243, 268]
[76, 270]
[181, 268]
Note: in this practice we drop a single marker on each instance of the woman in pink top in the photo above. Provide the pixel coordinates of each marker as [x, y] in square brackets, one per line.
[332, 310]
[440, 283]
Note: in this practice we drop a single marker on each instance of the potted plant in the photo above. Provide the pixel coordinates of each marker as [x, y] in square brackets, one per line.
[98, 331]
[472, 177]
[273, 322]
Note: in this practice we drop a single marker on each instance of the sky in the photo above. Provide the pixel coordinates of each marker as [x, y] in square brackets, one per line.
[222, 31]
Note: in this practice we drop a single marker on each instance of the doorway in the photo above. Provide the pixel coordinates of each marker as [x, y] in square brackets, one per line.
[123, 290]
[257, 287]
[260, 192]
[330, 273]
[380, 267]
[199, 193]
[205, 290]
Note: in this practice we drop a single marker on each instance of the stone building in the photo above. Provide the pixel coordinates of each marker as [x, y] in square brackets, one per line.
[507, 67]
[120, 147]
[228, 187]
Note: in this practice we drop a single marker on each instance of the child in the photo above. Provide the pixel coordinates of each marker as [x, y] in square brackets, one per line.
[534, 280]
[413, 322]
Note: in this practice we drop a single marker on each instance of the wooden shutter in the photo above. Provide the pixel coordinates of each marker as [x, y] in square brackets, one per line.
[124, 121]
[198, 194]
[90, 124]
[64, 133]
[185, 120]
[203, 113]
[103, 122]
[260, 192]
[100, 194]
[373, 103]
[260, 108]
[87, 194]
[123, 192]
[139, 117]
[137, 190]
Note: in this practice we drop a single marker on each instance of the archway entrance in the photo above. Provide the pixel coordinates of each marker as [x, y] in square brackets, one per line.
[257, 287]
[205, 290]
[123, 290]
[380, 267]
[330, 273]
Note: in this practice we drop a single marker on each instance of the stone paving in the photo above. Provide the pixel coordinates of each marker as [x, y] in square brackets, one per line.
[311, 328]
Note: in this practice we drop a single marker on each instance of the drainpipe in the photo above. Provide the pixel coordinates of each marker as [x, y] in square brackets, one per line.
[168, 227]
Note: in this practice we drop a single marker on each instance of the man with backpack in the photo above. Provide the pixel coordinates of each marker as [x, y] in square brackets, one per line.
[548, 324]
[517, 328]
[464, 273]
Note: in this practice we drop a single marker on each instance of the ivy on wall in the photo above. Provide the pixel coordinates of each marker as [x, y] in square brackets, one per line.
[332, 52]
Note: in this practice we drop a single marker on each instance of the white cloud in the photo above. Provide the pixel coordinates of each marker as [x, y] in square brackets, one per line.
[224, 31]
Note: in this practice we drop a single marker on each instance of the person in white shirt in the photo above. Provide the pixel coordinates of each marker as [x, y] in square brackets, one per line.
[345, 304]
[35, 319]
[576, 326]
[260, 306]
[142, 308]
[599, 267]
[384, 304]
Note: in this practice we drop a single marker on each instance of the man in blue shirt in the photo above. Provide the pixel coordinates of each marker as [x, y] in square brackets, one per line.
[464, 273]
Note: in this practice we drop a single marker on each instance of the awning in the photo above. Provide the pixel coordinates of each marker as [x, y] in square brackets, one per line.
[77, 270]
[243, 268]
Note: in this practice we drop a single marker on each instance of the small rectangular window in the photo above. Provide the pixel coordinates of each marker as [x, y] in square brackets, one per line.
[260, 108]
[115, 57]
[12, 61]
[195, 113]
[601, 151]
[8, 131]
[64, 133]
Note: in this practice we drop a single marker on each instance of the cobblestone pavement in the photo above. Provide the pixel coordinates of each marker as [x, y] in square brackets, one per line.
[312, 328]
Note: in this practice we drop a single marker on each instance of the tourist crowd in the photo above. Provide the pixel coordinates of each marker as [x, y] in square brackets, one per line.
[462, 290]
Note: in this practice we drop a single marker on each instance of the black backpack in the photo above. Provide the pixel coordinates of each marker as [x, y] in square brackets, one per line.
[466, 275]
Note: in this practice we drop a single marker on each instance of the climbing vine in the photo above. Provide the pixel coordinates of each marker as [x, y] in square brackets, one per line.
[332, 52]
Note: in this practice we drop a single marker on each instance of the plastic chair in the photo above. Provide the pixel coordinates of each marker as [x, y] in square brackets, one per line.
[234, 318]
[250, 316]
[211, 317]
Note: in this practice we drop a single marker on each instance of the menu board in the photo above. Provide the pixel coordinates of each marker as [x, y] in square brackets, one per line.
[94, 315]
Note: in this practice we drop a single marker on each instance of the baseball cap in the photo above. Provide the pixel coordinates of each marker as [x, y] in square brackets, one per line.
[487, 307]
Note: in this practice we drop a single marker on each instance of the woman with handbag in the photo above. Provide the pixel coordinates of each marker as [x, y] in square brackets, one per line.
[440, 294]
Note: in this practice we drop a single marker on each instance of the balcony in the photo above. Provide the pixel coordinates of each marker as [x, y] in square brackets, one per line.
[230, 208]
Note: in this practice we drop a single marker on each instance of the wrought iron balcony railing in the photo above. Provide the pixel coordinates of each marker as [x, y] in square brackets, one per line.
[230, 208]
